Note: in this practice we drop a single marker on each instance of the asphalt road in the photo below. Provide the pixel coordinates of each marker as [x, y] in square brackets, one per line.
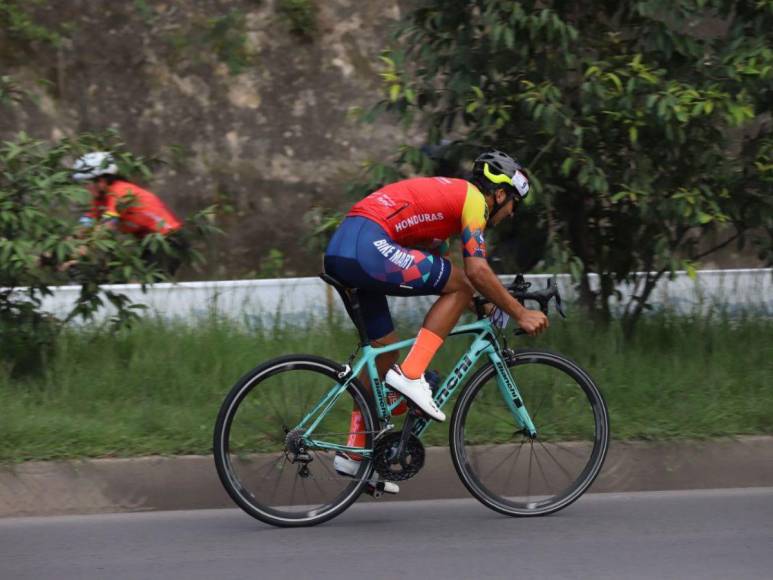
[681, 535]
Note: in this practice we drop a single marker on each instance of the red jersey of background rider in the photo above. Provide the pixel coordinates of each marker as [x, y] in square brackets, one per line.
[426, 210]
[144, 213]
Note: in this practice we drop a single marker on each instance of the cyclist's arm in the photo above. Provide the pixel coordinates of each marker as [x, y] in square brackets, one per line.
[110, 215]
[101, 214]
[480, 274]
[486, 282]
[90, 217]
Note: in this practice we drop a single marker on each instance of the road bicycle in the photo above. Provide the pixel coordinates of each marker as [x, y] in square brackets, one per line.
[528, 434]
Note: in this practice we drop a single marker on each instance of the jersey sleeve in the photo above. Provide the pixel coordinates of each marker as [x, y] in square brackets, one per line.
[474, 217]
[441, 248]
[110, 208]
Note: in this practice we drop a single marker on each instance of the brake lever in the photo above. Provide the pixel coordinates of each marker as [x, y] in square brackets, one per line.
[559, 306]
[554, 293]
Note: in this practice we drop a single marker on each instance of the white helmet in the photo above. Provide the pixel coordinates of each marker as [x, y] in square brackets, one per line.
[94, 164]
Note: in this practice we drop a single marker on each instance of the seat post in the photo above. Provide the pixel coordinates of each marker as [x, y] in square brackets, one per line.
[357, 318]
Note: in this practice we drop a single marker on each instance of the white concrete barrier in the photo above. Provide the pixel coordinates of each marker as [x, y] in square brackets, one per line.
[299, 301]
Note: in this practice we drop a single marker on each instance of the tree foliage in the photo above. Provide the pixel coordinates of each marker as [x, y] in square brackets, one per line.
[645, 125]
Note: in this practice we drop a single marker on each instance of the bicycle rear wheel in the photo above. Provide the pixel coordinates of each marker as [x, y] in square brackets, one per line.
[508, 471]
[256, 442]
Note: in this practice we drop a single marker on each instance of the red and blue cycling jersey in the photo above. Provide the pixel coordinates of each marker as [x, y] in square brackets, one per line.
[425, 211]
[393, 242]
[136, 210]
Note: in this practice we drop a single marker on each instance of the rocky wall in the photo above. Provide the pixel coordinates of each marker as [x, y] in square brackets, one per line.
[250, 113]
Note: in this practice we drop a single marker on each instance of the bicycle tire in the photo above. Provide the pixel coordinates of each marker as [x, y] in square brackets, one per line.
[470, 468]
[227, 470]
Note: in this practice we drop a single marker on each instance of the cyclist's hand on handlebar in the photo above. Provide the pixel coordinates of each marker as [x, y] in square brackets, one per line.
[532, 322]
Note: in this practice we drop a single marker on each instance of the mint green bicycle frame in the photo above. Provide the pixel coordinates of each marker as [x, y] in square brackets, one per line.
[484, 344]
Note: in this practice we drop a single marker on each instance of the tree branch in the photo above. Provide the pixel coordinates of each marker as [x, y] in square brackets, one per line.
[718, 246]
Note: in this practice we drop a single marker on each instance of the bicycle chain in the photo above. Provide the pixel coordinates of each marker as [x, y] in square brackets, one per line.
[291, 443]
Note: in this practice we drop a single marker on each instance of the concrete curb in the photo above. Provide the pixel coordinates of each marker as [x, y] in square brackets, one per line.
[190, 482]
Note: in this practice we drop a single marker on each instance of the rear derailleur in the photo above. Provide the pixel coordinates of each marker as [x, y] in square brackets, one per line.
[296, 452]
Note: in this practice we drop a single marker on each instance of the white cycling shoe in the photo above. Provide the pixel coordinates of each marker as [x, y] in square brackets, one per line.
[417, 390]
[345, 465]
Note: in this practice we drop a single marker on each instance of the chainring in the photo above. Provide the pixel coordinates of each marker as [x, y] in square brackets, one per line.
[392, 468]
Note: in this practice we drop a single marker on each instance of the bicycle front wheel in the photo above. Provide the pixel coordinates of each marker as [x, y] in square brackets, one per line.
[263, 455]
[507, 470]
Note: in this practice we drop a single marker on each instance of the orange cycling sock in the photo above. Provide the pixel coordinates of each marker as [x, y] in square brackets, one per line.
[426, 345]
[357, 436]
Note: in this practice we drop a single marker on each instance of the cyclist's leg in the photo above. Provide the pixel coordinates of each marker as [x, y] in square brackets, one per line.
[441, 318]
[380, 329]
[383, 361]
[455, 299]
[364, 256]
[341, 262]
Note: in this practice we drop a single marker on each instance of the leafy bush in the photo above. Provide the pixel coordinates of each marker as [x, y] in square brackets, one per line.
[17, 23]
[300, 16]
[41, 245]
[225, 36]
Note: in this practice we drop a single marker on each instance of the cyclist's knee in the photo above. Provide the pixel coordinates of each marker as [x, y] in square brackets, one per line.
[390, 338]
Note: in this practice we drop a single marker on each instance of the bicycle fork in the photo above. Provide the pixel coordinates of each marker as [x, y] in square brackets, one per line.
[512, 396]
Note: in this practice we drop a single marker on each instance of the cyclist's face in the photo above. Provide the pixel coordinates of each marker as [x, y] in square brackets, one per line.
[506, 211]
[97, 187]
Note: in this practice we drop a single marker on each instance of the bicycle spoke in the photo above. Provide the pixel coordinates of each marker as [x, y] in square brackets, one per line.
[528, 476]
[277, 413]
[292, 491]
[271, 463]
[565, 449]
[542, 470]
[278, 479]
[560, 466]
[539, 407]
[498, 465]
[330, 472]
[512, 467]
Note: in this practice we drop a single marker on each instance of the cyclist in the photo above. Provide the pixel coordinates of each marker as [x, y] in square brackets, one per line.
[118, 203]
[394, 242]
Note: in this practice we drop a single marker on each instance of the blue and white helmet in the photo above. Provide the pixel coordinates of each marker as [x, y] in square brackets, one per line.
[92, 165]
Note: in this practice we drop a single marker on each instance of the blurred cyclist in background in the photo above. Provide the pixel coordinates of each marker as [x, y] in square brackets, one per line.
[118, 203]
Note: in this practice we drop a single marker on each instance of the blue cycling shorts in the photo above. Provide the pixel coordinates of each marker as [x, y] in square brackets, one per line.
[362, 255]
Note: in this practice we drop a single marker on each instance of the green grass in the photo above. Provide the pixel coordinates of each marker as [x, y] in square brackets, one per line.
[156, 389]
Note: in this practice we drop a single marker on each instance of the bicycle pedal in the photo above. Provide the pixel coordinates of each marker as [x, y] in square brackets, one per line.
[417, 412]
[375, 490]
